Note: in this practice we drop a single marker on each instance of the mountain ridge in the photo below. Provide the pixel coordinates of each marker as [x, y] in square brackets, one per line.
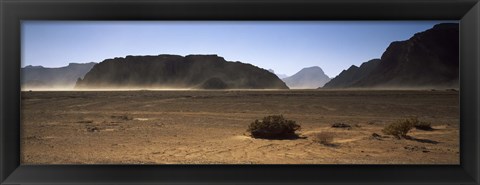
[175, 71]
[39, 77]
[427, 59]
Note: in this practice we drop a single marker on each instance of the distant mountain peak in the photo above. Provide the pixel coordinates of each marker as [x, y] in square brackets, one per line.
[39, 77]
[33, 67]
[76, 63]
[313, 69]
[73, 64]
[307, 78]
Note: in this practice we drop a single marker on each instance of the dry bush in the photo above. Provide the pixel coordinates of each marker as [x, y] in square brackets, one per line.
[273, 127]
[341, 125]
[123, 117]
[93, 129]
[400, 128]
[85, 121]
[325, 138]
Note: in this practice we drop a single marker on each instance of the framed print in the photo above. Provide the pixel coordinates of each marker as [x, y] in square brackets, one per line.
[246, 92]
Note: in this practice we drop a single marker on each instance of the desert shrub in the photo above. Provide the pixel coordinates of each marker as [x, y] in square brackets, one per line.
[85, 121]
[341, 125]
[325, 138]
[123, 117]
[273, 127]
[400, 128]
[420, 125]
[92, 129]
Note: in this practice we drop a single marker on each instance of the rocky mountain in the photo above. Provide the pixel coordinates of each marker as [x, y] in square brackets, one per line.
[428, 59]
[352, 75]
[174, 71]
[307, 78]
[39, 77]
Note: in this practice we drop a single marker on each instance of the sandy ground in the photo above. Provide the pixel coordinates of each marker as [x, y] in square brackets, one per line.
[209, 127]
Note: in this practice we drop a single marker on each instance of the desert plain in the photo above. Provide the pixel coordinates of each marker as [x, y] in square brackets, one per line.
[209, 127]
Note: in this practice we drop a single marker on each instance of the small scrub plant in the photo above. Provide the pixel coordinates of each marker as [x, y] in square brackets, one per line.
[93, 129]
[273, 127]
[341, 125]
[324, 138]
[400, 128]
[85, 121]
[123, 117]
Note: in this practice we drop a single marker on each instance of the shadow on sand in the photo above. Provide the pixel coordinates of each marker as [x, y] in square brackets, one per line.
[287, 137]
[422, 140]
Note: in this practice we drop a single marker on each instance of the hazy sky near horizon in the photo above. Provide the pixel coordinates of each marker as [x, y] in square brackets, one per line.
[284, 46]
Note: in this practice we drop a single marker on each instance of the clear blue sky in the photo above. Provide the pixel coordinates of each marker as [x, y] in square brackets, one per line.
[285, 47]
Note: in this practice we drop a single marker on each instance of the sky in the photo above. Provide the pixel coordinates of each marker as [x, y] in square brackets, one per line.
[284, 46]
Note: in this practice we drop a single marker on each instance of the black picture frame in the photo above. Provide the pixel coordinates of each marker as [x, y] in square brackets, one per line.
[12, 12]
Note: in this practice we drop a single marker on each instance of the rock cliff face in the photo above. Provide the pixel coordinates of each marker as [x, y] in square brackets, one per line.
[39, 77]
[428, 59]
[349, 77]
[174, 71]
[307, 78]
